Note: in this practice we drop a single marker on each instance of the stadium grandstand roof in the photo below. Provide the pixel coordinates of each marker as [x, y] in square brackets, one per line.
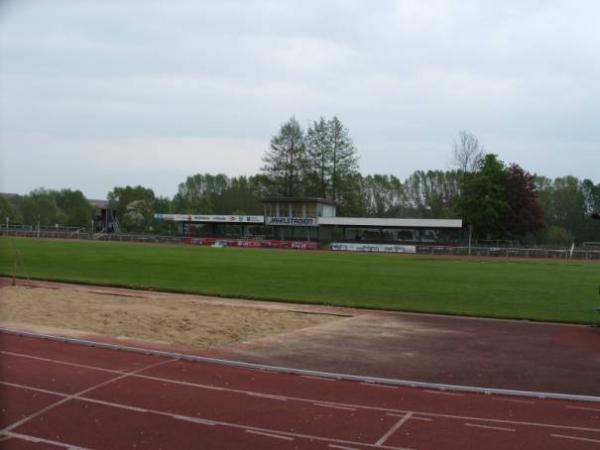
[390, 222]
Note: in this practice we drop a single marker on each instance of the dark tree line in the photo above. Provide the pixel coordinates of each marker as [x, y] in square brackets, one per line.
[498, 201]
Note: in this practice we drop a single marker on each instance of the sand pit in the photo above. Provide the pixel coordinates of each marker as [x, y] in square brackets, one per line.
[184, 321]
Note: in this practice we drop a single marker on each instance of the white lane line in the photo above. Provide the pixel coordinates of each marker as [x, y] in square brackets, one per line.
[268, 396]
[488, 427]
[440, 392]
[425, 419]
[413, 417]
[385, 386]
[341, 447]
[392, 430]
[512, 400]
[73, 396]
[30, 388]
[334, 406]
[582, 408]
[576, 438]
[277, 436]
[57, 361]
[37, 440]
[351, 405]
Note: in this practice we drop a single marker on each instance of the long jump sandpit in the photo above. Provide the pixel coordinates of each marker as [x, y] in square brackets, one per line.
[487, 353]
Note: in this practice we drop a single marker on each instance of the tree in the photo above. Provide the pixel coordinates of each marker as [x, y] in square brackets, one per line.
[556, 235]
[468, 153]
[76, 208]
[433, 194]
[524, 215]
[484, 201]
[39, 206]
[591, 195]
[134, 207]
[344, 159]
[8, 211]
[383, 194]
[319, 155]
[286, 160]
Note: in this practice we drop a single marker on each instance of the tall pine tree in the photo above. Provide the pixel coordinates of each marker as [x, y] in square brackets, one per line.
[286, 160]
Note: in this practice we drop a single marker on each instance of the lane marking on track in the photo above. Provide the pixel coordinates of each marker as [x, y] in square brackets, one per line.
[576, 438]
[425, 419]
[277, 436]
[453, 394]
[37, 440]
[57, 361]
[512, 400]
[31, 388]
[268, 396]
[582, 408]
[334, 406]
[137, 374]
[394, 428]
[342, 447]
[77, 394]
[488, 427]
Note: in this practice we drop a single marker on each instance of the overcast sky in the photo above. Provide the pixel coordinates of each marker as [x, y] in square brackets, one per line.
[95, 94]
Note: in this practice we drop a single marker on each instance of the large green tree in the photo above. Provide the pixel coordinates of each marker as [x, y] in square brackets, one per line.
[484, 202]
[332, 159]
[40, 206]
[8, 210]
[76, 208]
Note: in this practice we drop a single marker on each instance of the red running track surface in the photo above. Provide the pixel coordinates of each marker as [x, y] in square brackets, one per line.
[55, 395]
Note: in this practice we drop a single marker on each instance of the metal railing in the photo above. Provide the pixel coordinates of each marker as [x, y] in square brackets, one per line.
[588, 253]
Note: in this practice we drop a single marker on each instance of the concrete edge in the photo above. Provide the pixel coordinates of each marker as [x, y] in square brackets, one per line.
[309, 372]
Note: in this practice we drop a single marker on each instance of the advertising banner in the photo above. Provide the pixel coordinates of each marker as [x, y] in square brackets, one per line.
[292, 221]
[377, 248]
[251, 243]
[209, 218]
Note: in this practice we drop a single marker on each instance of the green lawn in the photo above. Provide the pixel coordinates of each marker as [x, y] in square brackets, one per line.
[537, 290]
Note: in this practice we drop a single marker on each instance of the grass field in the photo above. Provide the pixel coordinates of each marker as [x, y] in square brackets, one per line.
[536, 290]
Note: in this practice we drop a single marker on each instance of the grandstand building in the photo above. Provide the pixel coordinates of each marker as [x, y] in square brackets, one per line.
[315, 219]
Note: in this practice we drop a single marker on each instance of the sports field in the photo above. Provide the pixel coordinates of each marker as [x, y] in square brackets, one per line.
[535, 290]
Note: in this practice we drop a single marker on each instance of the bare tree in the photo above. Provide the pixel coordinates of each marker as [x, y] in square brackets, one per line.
[468, 152]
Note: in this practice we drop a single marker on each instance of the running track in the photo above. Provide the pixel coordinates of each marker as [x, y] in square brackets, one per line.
[55, 395]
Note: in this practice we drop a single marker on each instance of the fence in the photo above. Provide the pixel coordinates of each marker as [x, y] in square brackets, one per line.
[580, 253]
[513, 252]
